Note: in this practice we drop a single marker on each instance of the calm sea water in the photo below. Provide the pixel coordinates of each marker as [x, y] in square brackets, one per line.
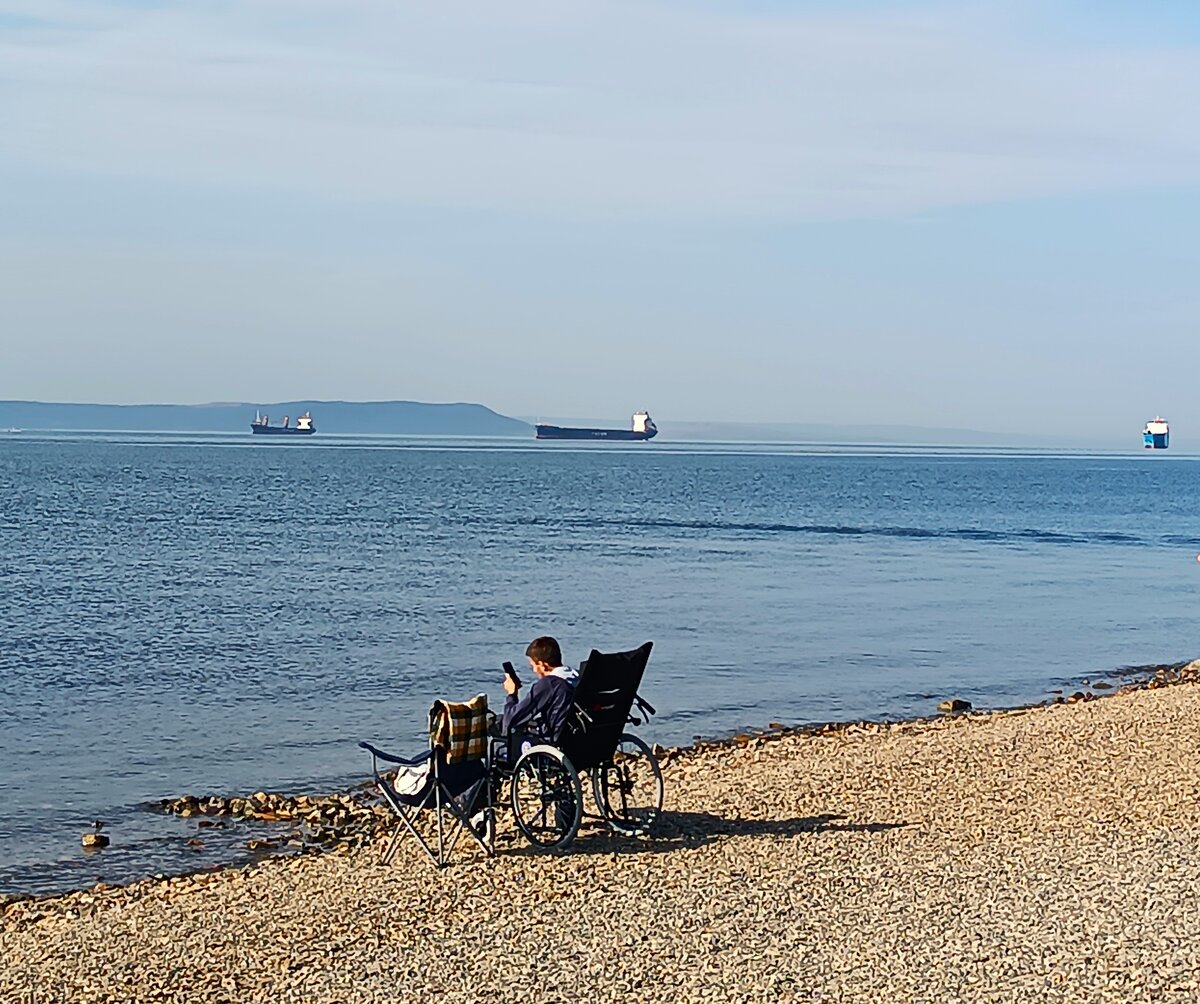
[187, 615]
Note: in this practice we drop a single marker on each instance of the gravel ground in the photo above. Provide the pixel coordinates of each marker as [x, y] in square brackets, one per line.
[1041, 855]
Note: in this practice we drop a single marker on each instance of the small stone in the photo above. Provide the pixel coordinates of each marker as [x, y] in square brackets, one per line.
[94, 841]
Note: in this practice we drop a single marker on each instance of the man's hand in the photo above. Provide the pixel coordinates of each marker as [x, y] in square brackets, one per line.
[510, 685]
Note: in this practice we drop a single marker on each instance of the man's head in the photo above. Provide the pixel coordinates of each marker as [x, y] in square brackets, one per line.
[544, 655]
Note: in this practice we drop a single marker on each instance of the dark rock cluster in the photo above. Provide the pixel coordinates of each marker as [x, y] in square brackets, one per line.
[320, 822]
[1169, 676]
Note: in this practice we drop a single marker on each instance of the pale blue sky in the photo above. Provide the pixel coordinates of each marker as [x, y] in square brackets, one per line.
[974, 214]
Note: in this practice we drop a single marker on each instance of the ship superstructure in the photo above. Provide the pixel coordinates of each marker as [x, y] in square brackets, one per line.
[1157, 434]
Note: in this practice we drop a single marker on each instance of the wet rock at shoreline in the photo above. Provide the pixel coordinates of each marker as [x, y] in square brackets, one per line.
[324, 823]
[1167, 676]
[954, 706]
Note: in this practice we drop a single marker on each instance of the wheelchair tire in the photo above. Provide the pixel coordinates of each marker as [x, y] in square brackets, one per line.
[629, 789]
[546, 797]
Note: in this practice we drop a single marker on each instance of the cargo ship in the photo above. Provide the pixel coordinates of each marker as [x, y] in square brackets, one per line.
[641, 429]
[1157, 434]
[261, 426]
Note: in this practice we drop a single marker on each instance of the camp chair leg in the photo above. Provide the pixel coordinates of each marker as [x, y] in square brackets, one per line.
[438, 851]
[441, 855]
[487, 839]
[406, 814]
[393, 844]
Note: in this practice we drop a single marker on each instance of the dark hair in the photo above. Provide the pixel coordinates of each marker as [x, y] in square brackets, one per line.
[545, 649]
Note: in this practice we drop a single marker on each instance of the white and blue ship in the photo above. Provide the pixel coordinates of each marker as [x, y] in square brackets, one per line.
[1157, 434]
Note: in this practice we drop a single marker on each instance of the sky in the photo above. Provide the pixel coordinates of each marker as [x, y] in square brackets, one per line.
[978, 215]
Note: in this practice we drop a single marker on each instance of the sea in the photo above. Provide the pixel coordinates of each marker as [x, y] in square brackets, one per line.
[219, 614]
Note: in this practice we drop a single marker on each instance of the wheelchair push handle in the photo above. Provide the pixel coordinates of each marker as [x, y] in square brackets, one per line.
[645, 707]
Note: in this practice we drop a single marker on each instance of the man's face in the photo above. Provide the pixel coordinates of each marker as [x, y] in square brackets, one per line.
[539, 668]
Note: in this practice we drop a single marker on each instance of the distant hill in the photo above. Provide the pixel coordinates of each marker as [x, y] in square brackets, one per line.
[401, 418]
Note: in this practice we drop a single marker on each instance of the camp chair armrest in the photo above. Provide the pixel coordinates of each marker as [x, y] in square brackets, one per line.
[403, 761]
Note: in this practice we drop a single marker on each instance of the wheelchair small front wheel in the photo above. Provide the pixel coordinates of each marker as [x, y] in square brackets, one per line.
[629, 788]
[547, 799]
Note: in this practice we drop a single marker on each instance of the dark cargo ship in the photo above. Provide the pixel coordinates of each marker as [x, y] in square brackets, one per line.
[261, 426]
[642, 428]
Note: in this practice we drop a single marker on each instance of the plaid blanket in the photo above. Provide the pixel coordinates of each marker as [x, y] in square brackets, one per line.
[460, 730]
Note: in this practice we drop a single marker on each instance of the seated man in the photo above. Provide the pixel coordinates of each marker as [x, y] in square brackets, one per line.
[540, 714]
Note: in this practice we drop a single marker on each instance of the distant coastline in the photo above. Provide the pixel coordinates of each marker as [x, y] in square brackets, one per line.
[418, 418]
[400, 418]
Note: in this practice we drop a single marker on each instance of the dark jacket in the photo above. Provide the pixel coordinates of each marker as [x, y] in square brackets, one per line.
[543, 711]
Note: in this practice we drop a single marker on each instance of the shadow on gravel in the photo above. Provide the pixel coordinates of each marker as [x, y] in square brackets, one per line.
[685, 830]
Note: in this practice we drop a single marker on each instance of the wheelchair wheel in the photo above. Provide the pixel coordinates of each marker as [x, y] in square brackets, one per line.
[547, 799]
[629, 789]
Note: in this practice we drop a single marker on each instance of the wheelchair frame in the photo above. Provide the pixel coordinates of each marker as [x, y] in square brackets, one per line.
[546, 790]
[545, 786]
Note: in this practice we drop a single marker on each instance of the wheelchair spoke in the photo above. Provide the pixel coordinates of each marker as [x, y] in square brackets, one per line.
[537, 821]
[629, 789]
[546, 799]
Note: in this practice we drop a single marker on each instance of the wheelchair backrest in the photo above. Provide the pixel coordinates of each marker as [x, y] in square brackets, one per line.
[604, 695]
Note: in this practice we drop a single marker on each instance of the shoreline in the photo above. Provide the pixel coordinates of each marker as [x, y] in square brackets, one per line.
[1040, 853]
[346, 821]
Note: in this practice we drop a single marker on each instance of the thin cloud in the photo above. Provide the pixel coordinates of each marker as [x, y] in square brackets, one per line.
[595, 108]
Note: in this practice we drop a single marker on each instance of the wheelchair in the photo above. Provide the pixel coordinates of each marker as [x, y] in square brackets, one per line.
[545, 785]
[463, 773]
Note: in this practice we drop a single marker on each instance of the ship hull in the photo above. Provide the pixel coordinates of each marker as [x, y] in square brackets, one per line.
[613, 435]
[1156, 441]
[279, 430]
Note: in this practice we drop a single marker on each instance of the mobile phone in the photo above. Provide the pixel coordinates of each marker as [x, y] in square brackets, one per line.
[512, 673]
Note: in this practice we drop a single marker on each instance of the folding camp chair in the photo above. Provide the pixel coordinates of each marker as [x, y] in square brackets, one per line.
[452, 778]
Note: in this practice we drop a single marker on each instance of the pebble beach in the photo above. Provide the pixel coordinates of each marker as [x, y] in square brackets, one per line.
[1043, 854]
